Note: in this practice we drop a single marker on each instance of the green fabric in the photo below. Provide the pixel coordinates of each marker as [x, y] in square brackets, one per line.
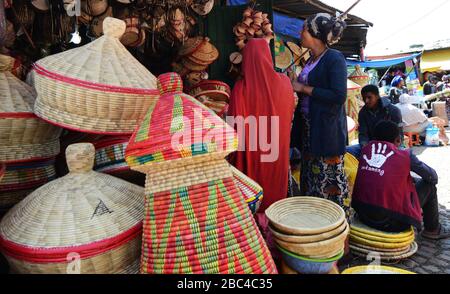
[219, 28]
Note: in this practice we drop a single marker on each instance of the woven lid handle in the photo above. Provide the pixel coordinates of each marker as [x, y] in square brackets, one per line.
[80, 157]
[113, 27]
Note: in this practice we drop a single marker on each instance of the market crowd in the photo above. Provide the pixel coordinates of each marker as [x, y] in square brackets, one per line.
[313, 137]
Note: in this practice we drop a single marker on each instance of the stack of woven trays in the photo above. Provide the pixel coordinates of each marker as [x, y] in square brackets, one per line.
[98, 88]
[310, 232]
[196, 55]
[366, 241]
[213, 94]
[252, 191]
[375, 270]
[359, 77]
[84, 222]
[28, 145]
[196, 218]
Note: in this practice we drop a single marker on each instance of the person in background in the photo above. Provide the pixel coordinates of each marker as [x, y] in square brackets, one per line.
[397, 89]
[386, 197]
[444, 85]
[430, 86]
[414, 119]
[390, 76]
[376, 109]
[320, 125]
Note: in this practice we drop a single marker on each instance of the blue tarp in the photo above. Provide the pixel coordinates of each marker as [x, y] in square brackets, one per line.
[282, 24]
[382, 63]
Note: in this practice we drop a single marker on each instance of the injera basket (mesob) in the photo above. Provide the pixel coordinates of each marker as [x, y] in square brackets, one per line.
[251, 190]
[97, 88]
[196, 218]
[85, 222]
[23, 136]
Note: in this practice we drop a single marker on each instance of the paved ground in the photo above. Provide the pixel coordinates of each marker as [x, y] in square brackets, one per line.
[432, 257]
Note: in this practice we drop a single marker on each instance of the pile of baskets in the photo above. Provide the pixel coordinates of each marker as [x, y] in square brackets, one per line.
[388, 247]
[28, 145]
[213, 94]
[310, 233]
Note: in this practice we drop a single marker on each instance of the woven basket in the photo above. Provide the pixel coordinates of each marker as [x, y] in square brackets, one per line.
[381, 250]
[305, 215]
[23, 136]
[377, 244]
[95, 216]
[10, 198]
[302, 239]
[390, 258]
[28, 175]
[197, 220]
[359, 77]
[216, 90]
[375, 270]
[322, 249]
[381, 239]
[251, 190]
[357, 248]
[358, 226]
[97, 88]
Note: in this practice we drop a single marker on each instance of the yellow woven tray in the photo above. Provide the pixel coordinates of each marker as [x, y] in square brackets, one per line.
[375, 269]
[382, 239]
[357, 225]
[376, 244]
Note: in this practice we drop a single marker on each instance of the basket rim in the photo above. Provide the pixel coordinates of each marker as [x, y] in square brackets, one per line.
[332, 259]
[361, 268]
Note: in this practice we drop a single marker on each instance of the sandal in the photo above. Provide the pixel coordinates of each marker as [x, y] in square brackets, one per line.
[444, 233]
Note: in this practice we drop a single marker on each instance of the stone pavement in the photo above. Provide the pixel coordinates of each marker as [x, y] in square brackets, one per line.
[433, 257]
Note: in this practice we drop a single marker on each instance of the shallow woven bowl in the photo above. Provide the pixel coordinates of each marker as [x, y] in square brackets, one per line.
[322, 249]
[305, 216]
[375, 270]
[389, 257]
[309, 238]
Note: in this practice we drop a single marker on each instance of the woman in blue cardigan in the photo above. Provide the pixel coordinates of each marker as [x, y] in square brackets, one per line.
[320, 124]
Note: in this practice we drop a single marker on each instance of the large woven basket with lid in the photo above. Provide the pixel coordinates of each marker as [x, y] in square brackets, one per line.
[359, 76]
[85, 222]
[196, 218]
[23, 136]
[97, 88]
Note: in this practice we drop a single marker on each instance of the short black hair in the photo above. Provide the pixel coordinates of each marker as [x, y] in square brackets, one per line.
[370, 89]
[387, 131]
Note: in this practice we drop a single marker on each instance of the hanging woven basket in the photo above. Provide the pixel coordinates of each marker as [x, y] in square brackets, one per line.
[85, 222]
[97, 88]
[23, 136]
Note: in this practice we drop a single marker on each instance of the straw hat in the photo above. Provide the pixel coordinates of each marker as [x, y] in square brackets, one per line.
[196, 219]
[216, 90]
[94, 7]
[97, 88]
[202, 7]
[95, 215]
[359, 76]
[206, 52]
[23, 136]
[190, 45]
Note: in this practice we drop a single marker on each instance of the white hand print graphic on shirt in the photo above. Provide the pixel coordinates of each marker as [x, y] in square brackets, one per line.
[378, 158]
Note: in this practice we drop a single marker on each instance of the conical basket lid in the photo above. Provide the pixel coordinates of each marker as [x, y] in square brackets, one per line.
[84, 208]
[178, 127]
[104, 61]
[351, 85]
[358, 73]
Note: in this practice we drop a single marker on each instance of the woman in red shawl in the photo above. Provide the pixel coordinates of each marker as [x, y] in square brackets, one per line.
[266, 98]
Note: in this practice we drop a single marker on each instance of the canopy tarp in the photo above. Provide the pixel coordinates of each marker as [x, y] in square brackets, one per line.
[435, 60]
[382, 63]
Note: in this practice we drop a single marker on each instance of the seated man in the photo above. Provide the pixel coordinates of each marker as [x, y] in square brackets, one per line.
[385, 195]
[414, 119]
[376, 109]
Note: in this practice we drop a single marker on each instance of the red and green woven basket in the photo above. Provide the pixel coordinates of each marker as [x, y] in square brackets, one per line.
[196, 217]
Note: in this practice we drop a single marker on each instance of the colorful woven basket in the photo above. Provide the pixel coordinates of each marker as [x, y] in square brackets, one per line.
[252, 191]
[216, 90]
[97, 88]
[23, 136]
[196, 218]
[85, 222]
[28, 175]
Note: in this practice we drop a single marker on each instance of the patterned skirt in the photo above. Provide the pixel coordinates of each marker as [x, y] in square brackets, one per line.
[323, 176]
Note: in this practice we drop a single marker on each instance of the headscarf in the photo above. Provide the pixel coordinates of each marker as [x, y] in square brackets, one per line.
[446, 78]
[396, 81]
[326, 28]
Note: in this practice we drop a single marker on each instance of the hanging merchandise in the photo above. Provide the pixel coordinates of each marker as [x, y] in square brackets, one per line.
[85, 222]
[197, 220]
[213, 94]
[359, 76]
[97, 88]
[255, 24]
[202, 7]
